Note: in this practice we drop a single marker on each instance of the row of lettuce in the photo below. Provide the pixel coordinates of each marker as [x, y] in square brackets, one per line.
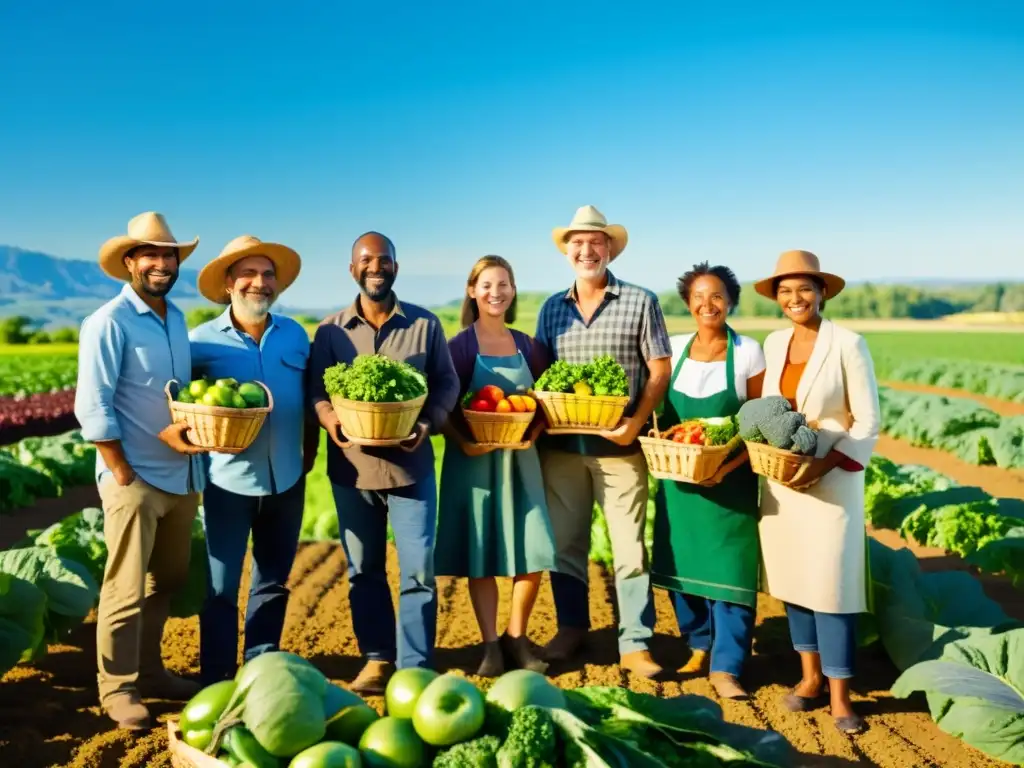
[960, 426]
[43, 467]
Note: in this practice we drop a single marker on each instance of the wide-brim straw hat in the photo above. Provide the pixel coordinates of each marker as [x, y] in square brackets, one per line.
[797, 263]
[212, 281]
[589, 219]
[148, 228]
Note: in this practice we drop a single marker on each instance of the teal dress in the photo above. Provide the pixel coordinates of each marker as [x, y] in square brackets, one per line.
[492, 511]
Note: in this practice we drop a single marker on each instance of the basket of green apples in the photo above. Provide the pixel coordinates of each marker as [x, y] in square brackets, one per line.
[223, 415]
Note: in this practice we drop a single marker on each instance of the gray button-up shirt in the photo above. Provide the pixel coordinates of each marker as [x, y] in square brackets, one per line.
[412, 335]
[126, 355]
[628, 325]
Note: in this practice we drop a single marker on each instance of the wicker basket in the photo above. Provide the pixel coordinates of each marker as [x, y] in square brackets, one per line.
[492, 428]
[785, 467]
[571, 413]
[682, 462]
[377, 423]
[184, 756]
[222, 430]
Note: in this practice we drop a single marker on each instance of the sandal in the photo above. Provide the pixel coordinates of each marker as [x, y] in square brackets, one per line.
[851, 724]
[796, 703]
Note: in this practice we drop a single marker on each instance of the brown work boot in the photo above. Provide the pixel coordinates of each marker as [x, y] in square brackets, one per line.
[564, 645]
[128, 711]
[373, 678]
[164, 685]
[640, 663]
[519, 651]
[493, 664]
[727, 686]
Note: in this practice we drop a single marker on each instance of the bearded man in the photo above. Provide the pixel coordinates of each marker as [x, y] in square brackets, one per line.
[148, 474]
[373, 484]
[260, 491]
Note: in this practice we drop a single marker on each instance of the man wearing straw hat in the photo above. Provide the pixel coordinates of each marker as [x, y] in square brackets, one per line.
[602, 315]
[261, 490]
[148, 474]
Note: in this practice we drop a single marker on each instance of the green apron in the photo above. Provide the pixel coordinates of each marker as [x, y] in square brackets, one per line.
[705, 538]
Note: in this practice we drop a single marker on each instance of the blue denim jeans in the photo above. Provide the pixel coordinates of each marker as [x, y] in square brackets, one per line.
[275, 522]
[726, 629]
[362, 521]
[833, 636]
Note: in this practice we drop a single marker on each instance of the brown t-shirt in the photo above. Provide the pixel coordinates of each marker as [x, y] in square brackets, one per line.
[410, 334]
[790, 380]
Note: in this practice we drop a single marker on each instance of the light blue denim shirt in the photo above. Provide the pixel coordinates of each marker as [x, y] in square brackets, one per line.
[126, 356]
[273, 463]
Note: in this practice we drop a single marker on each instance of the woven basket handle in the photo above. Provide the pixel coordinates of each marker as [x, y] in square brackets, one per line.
[270, 396]
[654, 415]
[167, 389]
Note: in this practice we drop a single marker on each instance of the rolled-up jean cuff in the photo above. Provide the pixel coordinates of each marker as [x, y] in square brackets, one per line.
[380, 656]
[700, 644]
[837, 673]
[800, 648]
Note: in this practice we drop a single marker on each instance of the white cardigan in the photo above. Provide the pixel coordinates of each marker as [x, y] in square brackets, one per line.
[813, 542]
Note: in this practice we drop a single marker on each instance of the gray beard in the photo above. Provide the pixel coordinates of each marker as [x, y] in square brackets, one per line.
[245, 310]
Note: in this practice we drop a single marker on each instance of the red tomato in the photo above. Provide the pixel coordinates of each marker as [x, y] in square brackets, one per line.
[492, 393]
[481, 404]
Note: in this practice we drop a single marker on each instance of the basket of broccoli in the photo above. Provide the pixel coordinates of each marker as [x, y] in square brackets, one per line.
[693, 450]
[583, 397]
[779, 440]
[377, 399]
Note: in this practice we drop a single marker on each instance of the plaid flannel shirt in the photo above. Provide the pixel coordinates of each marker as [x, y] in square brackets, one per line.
[628, 325]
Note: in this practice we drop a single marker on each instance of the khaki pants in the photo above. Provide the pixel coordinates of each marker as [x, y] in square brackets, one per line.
[619, 485]
[148, 535]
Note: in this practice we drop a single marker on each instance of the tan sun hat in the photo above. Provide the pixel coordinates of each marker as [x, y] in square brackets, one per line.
[212, 277]
[793, 263]
[148, 228]
[589, 219]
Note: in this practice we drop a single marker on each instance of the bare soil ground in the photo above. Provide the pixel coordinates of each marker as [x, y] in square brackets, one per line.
[49, 714]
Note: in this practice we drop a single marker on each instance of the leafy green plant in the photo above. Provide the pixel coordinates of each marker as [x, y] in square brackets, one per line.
[22, 621]
[603, 376]
[375, 379]
[975, 692]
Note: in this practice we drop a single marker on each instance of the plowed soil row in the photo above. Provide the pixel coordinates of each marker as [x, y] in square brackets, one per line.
[49, 714]
[1002, 407]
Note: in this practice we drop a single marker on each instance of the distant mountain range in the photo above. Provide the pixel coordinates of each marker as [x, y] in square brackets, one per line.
[58, 292]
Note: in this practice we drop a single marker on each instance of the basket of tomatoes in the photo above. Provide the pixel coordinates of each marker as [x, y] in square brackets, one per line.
[497, 419]
[693, 450]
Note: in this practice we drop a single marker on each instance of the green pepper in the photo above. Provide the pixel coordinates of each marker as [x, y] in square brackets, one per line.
[205, 708]
[243, 746]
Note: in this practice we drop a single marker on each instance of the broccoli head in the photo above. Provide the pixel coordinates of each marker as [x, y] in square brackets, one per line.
[772, 420]
[480, 752]
[531, 741]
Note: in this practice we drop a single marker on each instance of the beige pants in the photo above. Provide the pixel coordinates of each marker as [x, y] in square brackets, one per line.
[619, 485]
[148, 534]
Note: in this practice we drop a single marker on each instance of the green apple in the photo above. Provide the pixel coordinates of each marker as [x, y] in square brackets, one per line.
[404, 688]
[450, 710]
[328, 754]
[237, 401]
[227, 383]
[391, 742]
[184, 396]
[210, 398]
[197, 388]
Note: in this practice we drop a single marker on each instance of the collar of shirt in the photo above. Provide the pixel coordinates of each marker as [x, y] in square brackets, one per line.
[226, 323]
[354, 314]
[129, 294]
[611, 290]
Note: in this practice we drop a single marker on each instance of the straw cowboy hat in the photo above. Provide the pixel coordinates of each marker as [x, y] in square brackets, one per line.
[794, 263]
[589, 219]
[212, 277]
[148, 228]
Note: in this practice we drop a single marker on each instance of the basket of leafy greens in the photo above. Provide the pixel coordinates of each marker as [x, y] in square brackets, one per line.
[377, 399]
[692, 451]
[583, 397]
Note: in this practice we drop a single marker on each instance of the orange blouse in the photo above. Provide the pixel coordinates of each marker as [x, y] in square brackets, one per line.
[791, 374]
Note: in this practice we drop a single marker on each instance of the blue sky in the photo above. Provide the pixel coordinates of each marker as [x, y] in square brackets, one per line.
[887, 138]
